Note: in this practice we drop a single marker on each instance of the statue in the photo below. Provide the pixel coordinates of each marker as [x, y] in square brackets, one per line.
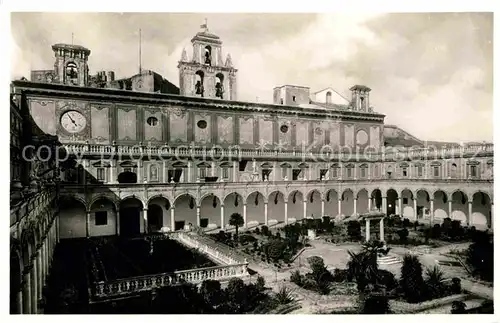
[199, 88]
[219, 90]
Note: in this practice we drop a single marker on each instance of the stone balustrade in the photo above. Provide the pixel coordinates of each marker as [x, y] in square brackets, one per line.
[324, 154]
[132, 285]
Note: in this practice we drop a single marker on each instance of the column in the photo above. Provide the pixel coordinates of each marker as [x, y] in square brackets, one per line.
[117, 223]
[369, 204]
[112, 172]
[400, 204]
[190, 172]
[222, 222]
[235, 169]
[245, 215]
[322, 208]
[432, 211]
[286, 212]
[164, 172]
[87, 225]
[45, 259]
[355, 206]
[34, 285]
[212, 171]
[305, 209]
[384, 204]
[40, 274]
[19, 300]
[145, 220]
[172, 218]
[450, 208]
[396, 206]
[339, 206]
[27, 291]
[367, 224]
[265, 213]
[140, 172]
[415, 208]
[382, 229]
[469, 218]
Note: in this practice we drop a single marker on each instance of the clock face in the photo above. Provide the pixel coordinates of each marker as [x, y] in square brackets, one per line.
[73, 121]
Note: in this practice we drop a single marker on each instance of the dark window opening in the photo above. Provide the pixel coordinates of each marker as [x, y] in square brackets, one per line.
[405, 200]
[265, 174]
[420, 171]
[152, 121]
[405, 173]
[242, 165]
[175, 175]
[127, 177]
[202, 124]
[293, 98]
[473, 170]
[322, 173]
[284, 128]
[101, 218]
[436, 171]
[100, 174]
[225, 173]
[296, 174]
[281, 101]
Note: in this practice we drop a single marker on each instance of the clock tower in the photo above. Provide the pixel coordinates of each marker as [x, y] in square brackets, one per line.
[205, 74]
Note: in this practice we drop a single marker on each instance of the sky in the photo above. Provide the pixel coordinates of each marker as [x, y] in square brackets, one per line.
[430, 73]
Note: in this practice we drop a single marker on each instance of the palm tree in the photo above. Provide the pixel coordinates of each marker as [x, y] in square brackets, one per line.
[237, 221]
[434, 281]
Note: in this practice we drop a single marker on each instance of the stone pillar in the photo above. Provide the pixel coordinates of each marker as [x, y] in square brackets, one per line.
[415, 209]
[469, 218]
[384, 204]
[432, 211]
[396, 206]
[164, 173]
[355, 206]
[40, 273]
[367, 228]
[117, 223]
[265, 213]
[339, 206]
[212, 170]
[145, 220]
[190, 172]
[382, 229]
[245, 215]
[286, 212]
[19, 300]
[87, 225]
[172, 218]
[369, 204]
[112, 172]
[46, 258]
[322, 208]
[27, 291]
[450, 208]
[400, 204]
[305, 209]
[235, 174]
[34, 285]
[222, 220]
[140, 171]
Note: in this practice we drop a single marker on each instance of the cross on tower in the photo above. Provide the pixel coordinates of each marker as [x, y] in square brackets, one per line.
[205, 25]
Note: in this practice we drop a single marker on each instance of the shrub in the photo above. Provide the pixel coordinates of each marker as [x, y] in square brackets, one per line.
[458, 307]
[339, 275]
[480, 256]
[375, 304]
[387, 279]
[354, 230]
[265, 230]
[296, 277]
[456, 285]
[283, 296]
[403, 235]
[274, 249]
[260, 284]
[412, 282]
[257, 231]
[435, 282]
[406, 222]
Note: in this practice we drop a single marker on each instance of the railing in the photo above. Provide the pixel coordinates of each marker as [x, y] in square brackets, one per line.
[326, 153]
[149, 282]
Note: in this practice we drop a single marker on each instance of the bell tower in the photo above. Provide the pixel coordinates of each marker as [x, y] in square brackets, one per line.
[205, 74]
[71, 65]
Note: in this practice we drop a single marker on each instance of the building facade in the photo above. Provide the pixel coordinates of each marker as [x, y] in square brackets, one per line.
[138, 155]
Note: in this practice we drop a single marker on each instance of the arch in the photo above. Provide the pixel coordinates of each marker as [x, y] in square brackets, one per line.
[207, 55]
[313, 201]
[276, 206]
[233, 203]
[71, 73]
[210, 210]
[102, 220]
[185, 206]
[392, 200]
[68, 200]
[407, 205]
[131, 197]
[347, 202]
[331, 203]
[72, 217]
[328, 98]
[459, 206]
[423, 203]
[219, 85]
[313, 191]
[131, 216]
[103, 198]
[376, 196]
[199, 80]
[480, 210]
[362, 201]
[440, 205]
[255, 207]
[295, 205]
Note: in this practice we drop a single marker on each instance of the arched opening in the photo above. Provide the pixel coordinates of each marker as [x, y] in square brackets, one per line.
[376, 197]
[453, 170]
[233, 203]
[185, 211]
[295, 206]
[285, 170]
[219, 85]
[255, 208]
[102, 220]
[131, 210]
[208, 55]
[276, 207]
[266, 170]
[459, 207]
[347, 203]
[72, 218]
[175, 174]
[392, 202]
[481, 211]
[328, 97]
[423, 205]
[331, 204]
[158, 209]
[407, 204]
[15, 282]
[210, 212]
[71, 73]
[440, 205]
[314, 205]
[362, 202]
[199, 88]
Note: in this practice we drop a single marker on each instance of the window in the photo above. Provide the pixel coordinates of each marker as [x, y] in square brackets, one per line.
[293, 98]
[284, 128]
[420, 171]
[295, 174]
[349, 172]
[335, 172]
[405, 200]
[153, 173]
[362, 172]
[202, 172]
[473, 171]
[328, 97]
[322, 173]
[101, 218]
[404, 172]
[265, 174]
[100, 174]
[284, 172]
[225, 173]
[127, 169]
[436, 171]
[202, 124]
[152, 121]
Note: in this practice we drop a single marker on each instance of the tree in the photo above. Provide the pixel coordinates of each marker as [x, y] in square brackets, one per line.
[274, 249]
[237, 221]
[411, 281]
[458, 307]
[236, 294]
[375, 303]
[260, 284]
[403, 235]
[480, 256]
[354, 230]
[434, 282]
[363, 268]
[211, 292]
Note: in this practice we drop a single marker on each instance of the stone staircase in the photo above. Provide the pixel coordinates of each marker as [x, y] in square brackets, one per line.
[388, 260]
